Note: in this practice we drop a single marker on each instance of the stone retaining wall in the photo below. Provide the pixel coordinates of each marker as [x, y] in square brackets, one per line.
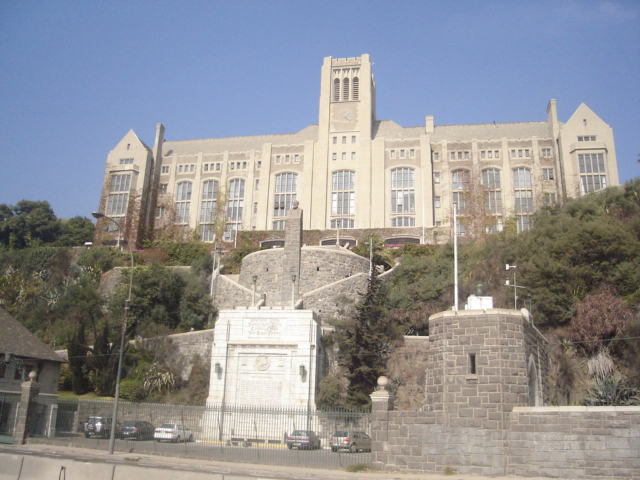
[564, 442]
[184, 347]
[575, 442]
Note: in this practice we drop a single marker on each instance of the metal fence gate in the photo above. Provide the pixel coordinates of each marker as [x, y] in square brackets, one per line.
[240, 433]
[8, 416]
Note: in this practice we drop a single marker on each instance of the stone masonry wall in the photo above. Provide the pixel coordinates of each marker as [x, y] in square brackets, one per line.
[184, 346]
[561, 442]
[229, 294]
[330, 302]
[422, 441]
[479, 423]
[575, 442]
[319, 266]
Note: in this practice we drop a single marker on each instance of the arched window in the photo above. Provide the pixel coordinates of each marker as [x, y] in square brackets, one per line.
[235, 207]
[183, 202]
[336, 90]
[285, 195]
[345, 89]
[356, 88]
[208, 210]
[343, 198]
[459, 186]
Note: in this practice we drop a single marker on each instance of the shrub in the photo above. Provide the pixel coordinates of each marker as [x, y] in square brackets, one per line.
[600, 316]
[612, 390]
[132, 389]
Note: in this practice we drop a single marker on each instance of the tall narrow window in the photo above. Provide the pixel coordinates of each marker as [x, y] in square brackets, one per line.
[235, 207]
[345, 89]
[403, 200]
[343, 198]
[183, 202]
[523, 194]
[492, 193]
[356, 88]
[285, 195]
[336, 90]
[208, 210]
[118, 198]
[592, 172]
[459, 186]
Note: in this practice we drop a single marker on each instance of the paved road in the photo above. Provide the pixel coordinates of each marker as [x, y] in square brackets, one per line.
[275, 455]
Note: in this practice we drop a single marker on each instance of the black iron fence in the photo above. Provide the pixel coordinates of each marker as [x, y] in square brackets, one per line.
[8, 416]
[240, 433]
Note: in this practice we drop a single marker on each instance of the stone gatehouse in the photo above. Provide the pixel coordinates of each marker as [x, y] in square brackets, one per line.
[483, 410]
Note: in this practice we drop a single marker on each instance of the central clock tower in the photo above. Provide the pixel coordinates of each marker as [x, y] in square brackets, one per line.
[345, 124]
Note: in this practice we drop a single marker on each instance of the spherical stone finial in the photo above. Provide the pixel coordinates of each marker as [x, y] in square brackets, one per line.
[479, 290]
[32, 376]
[295, 204]
[383, 382]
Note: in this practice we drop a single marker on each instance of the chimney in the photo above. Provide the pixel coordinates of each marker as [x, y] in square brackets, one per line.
[428, 124]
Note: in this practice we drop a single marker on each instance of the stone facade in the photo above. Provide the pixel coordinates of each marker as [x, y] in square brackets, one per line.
[484, 368]
[183, 347]
[575, 442]
[351, 171]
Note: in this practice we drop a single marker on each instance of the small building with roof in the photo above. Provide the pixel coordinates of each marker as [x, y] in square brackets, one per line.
[21, 353]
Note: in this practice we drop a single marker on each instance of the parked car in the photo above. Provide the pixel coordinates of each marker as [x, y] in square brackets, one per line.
[98, 427]
[303, 439]
[135, 429]
[173, 432]
[352, 441]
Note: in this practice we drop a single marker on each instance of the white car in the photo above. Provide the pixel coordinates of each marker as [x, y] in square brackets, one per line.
[173, 432]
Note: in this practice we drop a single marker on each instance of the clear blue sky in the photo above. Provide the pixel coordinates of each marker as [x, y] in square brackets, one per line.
[75, 76]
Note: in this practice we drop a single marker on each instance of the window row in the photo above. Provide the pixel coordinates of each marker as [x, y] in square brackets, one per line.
[287, 158]
[545, 152]
[344, 139]
[587, 138]
[459, 155]
[213, 166]
[126, 161]
[402, 153]
[344, 156]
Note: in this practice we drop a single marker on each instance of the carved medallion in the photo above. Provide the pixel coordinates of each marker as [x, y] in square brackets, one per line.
[262, 363]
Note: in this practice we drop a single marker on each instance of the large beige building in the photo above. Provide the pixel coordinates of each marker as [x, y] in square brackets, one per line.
[352, 171]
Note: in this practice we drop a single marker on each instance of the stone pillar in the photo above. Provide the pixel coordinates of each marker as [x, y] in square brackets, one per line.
[29, 390]
[380, 406]
[291, 260]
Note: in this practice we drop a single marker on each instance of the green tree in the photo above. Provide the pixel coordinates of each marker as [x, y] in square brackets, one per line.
[365, 344]
[195, 305]
[75, 232]
[28, 224]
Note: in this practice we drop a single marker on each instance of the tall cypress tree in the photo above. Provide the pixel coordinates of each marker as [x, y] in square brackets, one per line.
[365, 344]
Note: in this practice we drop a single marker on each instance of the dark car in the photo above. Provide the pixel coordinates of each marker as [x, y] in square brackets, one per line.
[98, 427]
[303, 439]
[135, 430]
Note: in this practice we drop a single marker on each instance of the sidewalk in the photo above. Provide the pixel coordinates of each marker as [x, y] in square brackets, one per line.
[216, 468]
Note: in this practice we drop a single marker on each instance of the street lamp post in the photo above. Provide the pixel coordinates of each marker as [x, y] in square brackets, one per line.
[114, 415]
[515, 285]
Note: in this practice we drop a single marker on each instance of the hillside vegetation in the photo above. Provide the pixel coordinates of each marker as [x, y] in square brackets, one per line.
[580, 265]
